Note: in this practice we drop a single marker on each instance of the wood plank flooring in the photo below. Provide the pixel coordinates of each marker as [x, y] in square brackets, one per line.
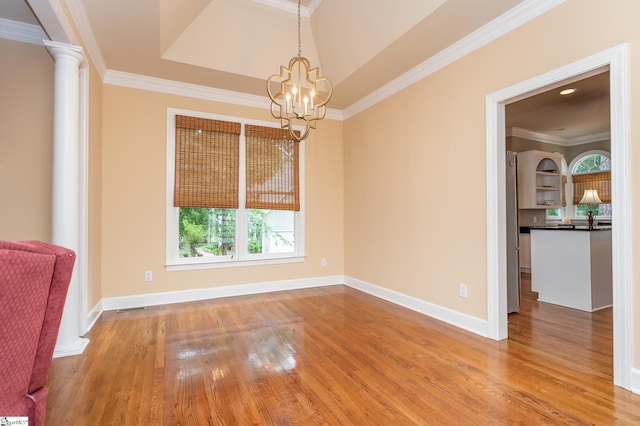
[337, 356]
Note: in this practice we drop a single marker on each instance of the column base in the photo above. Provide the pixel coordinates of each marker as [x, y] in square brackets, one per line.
[70, 349]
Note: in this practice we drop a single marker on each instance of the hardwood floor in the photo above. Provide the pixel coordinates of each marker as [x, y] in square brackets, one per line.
[336, 356]
[570, 336]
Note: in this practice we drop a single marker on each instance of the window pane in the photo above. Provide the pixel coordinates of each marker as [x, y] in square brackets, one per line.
[554, 213]
[592, 163]
[271, 231]
[599, 210]
[207, 232]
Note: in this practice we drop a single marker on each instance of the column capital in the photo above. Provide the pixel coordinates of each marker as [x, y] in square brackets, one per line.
[57, 48]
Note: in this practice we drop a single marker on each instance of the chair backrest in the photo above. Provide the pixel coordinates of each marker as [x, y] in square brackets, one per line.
[34, 279]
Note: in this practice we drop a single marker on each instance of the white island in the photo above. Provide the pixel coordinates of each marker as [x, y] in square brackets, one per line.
[572, 267]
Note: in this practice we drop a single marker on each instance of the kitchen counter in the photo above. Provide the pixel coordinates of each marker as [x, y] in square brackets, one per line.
[572, 269]
[527, 229]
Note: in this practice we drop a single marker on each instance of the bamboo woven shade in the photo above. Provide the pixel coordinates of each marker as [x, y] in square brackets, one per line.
[273, 177]
[564, 191]
[600, 181]
[207, 163]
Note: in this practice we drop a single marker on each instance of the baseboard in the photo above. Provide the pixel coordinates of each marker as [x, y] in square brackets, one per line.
[75, 348]
[154, 299]
[449, 316]
[93, 316]
[455, 318]
[635, 380]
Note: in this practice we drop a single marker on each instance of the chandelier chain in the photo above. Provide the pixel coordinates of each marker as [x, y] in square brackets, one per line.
[299, 43]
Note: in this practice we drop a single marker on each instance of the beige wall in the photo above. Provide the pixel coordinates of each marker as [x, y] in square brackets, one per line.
[134, 195]
[415, 209]
[26, 120]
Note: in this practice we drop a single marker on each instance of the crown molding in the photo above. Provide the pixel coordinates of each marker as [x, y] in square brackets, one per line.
[557, 140]
[536, 136]
[313, 5]
[20, 31]
[507, 22]
[79, 15]
[596, 137]
[287, 6]
[136, 81]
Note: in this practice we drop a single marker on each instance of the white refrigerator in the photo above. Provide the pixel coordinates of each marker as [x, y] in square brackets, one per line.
[513, 234]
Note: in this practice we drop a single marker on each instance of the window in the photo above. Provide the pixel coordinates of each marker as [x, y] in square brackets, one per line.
[592, 170]
[234, 192]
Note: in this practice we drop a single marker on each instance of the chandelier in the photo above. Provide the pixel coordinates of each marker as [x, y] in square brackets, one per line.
[298, 99]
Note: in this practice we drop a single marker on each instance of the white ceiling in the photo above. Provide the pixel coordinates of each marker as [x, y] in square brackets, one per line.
[583, 116]
[235, 45]
[17, 10]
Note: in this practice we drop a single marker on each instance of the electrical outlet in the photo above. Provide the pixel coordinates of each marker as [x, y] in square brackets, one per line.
[148, 275]
[535, 219]
[323, 262]
[462, 290]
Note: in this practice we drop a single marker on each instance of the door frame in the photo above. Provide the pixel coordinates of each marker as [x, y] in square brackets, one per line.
[615, 59]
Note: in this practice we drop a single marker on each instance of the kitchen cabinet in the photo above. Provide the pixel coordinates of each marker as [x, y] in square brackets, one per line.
[525, 252]
[539, 180]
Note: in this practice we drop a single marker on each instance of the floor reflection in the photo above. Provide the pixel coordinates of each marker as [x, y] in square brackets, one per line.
[251, 352]
[271, 349]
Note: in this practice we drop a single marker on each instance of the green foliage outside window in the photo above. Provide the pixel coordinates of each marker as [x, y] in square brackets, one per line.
[193, 235]
[582, 210]
[204, 230]
[218, 231]
[592, 163]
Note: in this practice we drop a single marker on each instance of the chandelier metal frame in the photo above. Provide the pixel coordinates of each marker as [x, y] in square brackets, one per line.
[298, 99]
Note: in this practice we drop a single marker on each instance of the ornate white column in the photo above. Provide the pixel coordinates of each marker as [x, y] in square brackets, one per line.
[66, 196]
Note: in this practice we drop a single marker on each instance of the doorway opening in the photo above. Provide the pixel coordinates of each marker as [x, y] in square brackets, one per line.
[615, 59]
[559, 126]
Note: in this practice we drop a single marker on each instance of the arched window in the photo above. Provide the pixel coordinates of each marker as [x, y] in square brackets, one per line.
[591, 163]
[592, 170]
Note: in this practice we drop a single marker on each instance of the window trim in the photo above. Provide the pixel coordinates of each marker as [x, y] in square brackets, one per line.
[173, 262]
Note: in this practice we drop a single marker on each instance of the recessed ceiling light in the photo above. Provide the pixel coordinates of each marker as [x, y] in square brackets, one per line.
[567, 91]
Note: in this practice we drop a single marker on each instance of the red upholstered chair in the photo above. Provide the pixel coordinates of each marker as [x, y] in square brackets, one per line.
[34, 279]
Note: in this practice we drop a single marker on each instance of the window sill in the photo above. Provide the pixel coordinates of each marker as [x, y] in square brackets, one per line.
[191, 265]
